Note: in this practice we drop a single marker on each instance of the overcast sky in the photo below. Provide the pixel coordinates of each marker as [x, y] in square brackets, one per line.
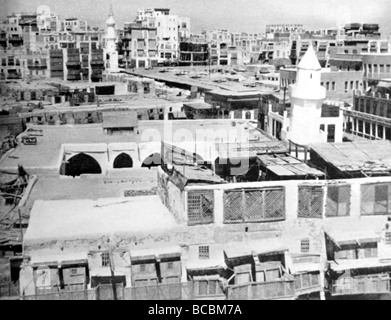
[234, 15]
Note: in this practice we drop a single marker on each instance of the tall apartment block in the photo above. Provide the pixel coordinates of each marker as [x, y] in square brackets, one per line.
[140, 46]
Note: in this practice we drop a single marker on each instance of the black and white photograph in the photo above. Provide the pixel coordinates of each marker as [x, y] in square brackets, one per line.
[211, 151]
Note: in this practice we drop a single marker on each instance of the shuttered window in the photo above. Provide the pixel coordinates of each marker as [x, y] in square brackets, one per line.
[310, 202]
[338, 201]
[375, 199]
[200, 207]
[260, 205]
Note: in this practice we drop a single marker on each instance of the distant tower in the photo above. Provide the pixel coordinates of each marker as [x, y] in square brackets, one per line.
[111, 37]
[307, 96]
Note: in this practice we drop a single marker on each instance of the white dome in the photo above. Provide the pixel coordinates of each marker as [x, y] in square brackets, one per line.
[43, 10]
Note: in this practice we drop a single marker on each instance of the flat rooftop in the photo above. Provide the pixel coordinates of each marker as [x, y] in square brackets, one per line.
[92, 219]
[45, 156]
[199, 77]
[127, 104]
[119, 183]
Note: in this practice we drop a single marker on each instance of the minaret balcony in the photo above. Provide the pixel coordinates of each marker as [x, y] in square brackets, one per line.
[307, 92]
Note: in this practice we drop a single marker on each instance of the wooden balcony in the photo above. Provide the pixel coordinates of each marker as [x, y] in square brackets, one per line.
[173, 291]
[73, 64]
[275, 290]
[307, 283]
[365, 285]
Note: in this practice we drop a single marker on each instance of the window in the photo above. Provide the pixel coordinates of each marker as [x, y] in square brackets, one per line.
[143, 268]
[203, 288]
[170, 265]
[338, 201]
[105, 259]
[200, 207]
[203, 252]
[375, 199]
[305, 245]
[333, 86]
[310, 202]
[388, 238]
[331, 133]
[261, 205]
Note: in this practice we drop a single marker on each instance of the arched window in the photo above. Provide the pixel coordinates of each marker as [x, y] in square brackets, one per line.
[82, 164]
[123, 161]
[154, 160]
[248, 115]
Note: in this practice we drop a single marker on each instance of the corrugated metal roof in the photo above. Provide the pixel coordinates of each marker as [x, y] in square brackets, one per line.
[286, 165]
[236, 150]
[119, 119]
[365, 156]
[199, 174]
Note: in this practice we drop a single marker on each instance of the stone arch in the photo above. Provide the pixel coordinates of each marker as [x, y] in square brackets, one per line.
[82, 164]
[123, 160]
[154, 160]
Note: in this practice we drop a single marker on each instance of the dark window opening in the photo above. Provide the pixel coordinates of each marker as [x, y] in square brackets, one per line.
[331, 133]
[123, 161]
[82, 164]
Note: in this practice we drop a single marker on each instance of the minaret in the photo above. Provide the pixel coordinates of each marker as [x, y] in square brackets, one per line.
[307, 96]
[111, 38]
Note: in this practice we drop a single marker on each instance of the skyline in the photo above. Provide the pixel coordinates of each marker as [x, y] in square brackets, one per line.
[253, 16]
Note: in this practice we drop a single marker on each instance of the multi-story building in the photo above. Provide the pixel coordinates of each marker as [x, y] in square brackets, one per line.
[24, 64]
[74, 24]
[370, 116]
[322, 45]
[193, 53]
[170, 28]
[46, 20]
[219, 41]
[244, 40]
[140, 46]
[184, 27]
[12, 28]
[267, 49]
